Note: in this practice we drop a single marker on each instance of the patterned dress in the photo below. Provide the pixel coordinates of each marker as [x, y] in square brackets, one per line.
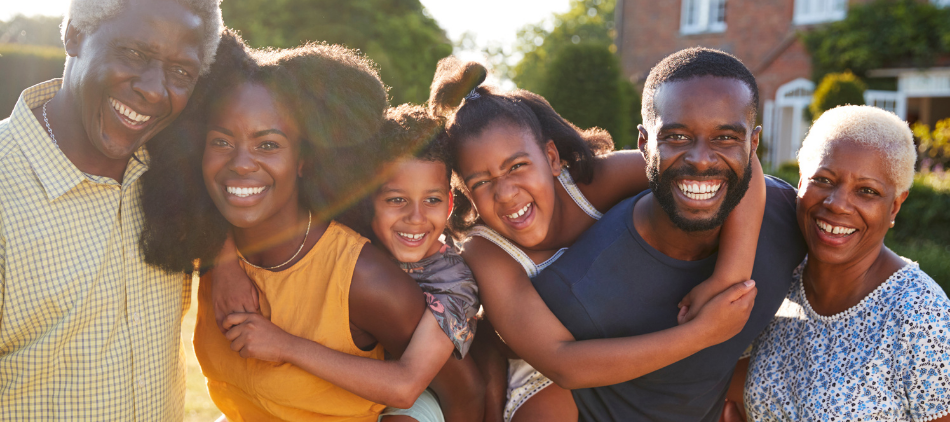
[451, 294]
[885, 359]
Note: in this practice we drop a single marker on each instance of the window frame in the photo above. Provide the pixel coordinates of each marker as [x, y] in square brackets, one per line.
[705, 10]
[812, 17]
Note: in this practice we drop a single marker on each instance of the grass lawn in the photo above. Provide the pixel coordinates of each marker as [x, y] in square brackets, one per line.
[198, 405]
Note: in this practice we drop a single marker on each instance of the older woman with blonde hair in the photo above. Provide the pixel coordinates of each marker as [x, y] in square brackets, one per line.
[863, 334]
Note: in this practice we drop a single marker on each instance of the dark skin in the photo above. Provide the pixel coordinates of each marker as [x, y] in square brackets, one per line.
[147, 60]
[849, 189]
[508, 295]
[251, 166]
[702, 123]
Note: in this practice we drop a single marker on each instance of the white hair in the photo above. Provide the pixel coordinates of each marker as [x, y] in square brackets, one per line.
[867, 126]
[87, 15]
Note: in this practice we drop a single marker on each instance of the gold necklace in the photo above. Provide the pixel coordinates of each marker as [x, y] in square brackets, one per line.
[309, 220]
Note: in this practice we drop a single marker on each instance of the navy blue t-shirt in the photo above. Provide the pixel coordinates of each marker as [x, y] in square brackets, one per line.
[611, 283]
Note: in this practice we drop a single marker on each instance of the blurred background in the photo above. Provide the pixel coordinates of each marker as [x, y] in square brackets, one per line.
[589, 58]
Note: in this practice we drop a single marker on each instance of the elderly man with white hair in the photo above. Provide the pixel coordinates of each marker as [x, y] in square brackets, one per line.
[88, 331]
[864, 334]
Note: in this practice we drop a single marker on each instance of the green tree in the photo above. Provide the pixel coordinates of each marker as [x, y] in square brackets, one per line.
[587, 21]
[397, 34]
[583, 83]
[574, 66]
[836, 89]
[900, 33]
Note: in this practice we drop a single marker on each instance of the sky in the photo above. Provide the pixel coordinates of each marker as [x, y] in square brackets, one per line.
[489, 20]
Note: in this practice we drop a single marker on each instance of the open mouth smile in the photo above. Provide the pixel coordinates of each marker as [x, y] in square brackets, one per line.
[245, 192]
[411, 237]
[836, 231]
[699, 190]
[128, 116]
[515, 215]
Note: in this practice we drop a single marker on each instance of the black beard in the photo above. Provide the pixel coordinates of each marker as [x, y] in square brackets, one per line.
[662, 185]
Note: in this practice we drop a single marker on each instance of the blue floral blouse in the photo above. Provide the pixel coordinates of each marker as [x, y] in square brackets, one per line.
[885, 359]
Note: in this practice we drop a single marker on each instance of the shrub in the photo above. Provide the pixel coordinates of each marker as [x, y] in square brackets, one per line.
[836, 89]
[24, 66]
[583, 84]
[882, 33]
[934, 145]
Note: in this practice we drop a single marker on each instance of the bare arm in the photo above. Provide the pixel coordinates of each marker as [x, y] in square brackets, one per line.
[530, 328]
[386, 304]
[737, 244]
[396, 383]
[231, 289]
[617, 175]
[460, 389]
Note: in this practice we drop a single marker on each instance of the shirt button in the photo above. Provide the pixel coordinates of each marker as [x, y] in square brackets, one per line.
[141, 383]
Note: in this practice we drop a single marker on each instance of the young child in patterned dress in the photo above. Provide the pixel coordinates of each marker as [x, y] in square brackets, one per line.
[407, 217]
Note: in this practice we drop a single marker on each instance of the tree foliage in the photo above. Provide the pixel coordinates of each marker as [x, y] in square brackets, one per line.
[836, 89]
[588, 21]
[934, 145]
[396, 34]
[895, 33]
[572, 63]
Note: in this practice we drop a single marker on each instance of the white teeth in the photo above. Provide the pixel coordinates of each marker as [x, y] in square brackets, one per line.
[699, 191]
[125, 111]
[244, 192]
[520, 212]
[828, 228]
[411, 236]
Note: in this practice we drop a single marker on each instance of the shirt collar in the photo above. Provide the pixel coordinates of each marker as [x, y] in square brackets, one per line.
[53, 169]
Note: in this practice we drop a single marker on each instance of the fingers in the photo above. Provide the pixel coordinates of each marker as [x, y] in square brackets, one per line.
[681, 317]
[219, 315]
[234, 319]
[737, 290]
[730, 412]
[255, 301]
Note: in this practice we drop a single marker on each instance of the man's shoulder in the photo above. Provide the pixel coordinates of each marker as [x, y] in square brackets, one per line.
[599, 239]
[7, 143]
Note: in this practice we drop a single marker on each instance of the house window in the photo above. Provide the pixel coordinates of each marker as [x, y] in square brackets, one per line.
[817, 11]
[703, 16]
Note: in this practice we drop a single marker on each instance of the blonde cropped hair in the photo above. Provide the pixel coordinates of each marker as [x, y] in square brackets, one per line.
[87, 15]
[867, 126]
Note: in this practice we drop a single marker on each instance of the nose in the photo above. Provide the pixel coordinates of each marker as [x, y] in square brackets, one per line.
[243, 162]
[151, 83]
[700, 156]
[415, 215]
[505, 191]
[838, 201]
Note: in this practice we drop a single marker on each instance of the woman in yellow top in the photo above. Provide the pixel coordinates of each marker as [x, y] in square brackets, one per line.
[273, 136]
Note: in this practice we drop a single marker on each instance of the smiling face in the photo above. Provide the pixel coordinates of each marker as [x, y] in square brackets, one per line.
[510, 179]
[252, 158]
[698, 149]
[134, 74]
[410, 210]
[846, 206]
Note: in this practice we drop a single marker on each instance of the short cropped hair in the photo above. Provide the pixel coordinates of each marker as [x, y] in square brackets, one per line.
[693, 63]
[87, 15]
[867, 126]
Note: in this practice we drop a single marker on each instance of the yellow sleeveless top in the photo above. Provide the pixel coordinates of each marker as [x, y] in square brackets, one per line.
[310, 300]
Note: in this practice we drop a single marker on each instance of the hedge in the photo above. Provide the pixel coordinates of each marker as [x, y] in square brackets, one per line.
[23, 66]
[836, 89]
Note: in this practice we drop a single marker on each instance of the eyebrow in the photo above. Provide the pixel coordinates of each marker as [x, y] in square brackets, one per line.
[672, 126]
[504, 164]
[734, 127]
[220, 129]
[266, 132]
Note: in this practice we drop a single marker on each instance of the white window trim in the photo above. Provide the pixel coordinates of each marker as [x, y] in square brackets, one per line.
[704, 26]
[819, 17]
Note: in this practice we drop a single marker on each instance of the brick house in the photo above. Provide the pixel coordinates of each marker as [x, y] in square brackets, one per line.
[763, 34]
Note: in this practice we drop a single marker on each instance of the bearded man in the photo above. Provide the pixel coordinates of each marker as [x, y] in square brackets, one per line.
[626, 274]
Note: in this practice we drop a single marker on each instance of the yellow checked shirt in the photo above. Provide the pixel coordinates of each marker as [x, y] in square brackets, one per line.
[88, 331]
